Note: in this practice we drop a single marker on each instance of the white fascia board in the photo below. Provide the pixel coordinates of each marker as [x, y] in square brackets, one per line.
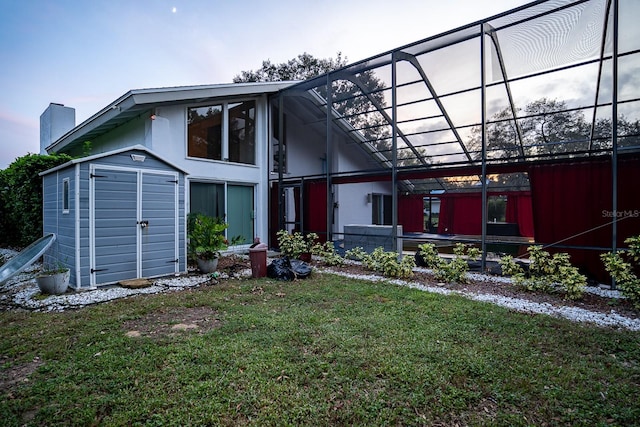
[191, 93]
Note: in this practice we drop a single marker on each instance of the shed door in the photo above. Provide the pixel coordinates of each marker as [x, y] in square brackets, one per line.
[159, 243]
[134, 228]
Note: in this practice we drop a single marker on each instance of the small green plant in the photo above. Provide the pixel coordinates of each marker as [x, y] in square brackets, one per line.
[206, 236]
[356, 254]
[428, 255]
[292, 245]
[327, 252]
[372, 261]
[455, 271]
[546, 273]
[53, 267]
[383, 262]
[388, 264]
[510, 267]
[407, 265]
[621, 265]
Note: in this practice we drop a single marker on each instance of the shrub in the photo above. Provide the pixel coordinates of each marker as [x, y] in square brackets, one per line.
[510, 267]
[383, 262]
[451, 272]
[427, 256]
[356, 254]
[455, 271]
[21, 198]
[622, 266]
[546, 273]
[328, 253]
[292, 245]
[206, 236]
[406, 267]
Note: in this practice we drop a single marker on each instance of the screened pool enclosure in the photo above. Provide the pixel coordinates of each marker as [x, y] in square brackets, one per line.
[521, 128]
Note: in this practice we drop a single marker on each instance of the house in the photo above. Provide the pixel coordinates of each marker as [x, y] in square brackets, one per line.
[216, 133]
[485, 119]
[219, 137]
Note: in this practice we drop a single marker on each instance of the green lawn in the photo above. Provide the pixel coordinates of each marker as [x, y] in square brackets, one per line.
[324, 351]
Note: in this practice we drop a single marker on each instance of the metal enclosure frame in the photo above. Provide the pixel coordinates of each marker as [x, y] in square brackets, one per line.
[490, 99]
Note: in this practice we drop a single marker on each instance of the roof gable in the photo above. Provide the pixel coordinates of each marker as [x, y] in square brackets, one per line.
[137, 101]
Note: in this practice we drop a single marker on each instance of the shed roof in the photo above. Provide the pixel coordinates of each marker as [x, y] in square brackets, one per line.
[111, 153]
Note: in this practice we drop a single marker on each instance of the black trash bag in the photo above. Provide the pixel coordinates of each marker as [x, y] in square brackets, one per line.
[301, 269]
[280, 269]
[285, 269]
[420, 261]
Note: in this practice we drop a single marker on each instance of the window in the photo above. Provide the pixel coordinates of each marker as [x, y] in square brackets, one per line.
[65, 195]
[233, 203]
[381, 209]
[207, 138]
[207, 198]
[242, 132]
[497, 208]
[431, 214]
[275, 130]
[205, 132]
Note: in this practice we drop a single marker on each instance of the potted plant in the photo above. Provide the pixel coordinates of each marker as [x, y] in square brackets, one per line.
[206, 240]
[53, 280]
[297, 245]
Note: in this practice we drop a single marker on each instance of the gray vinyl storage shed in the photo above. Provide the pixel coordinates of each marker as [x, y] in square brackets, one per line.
[116, 216]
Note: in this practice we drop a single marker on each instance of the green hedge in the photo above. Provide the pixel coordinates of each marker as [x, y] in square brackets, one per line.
[21, 198]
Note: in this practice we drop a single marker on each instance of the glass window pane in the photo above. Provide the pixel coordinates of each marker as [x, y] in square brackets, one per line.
[241, 214]
[65, 195]
[205, 132]
[242, 132]
[207, 198]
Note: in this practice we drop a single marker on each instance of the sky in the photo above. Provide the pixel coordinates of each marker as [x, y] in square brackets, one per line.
[85, 54]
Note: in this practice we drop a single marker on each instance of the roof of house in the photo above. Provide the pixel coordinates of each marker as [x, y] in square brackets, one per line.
[137, 101]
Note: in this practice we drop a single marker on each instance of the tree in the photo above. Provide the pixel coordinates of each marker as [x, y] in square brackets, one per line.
[628, 133]
[357, 99]
[551, 129]
[302, 67]
[546, 127]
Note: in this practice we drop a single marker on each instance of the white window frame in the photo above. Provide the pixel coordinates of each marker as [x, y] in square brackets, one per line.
[66, 195]
[224, 149]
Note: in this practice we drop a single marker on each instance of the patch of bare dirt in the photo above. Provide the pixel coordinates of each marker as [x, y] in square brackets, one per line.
[233, 265]
[16, 373]
[174, 321]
